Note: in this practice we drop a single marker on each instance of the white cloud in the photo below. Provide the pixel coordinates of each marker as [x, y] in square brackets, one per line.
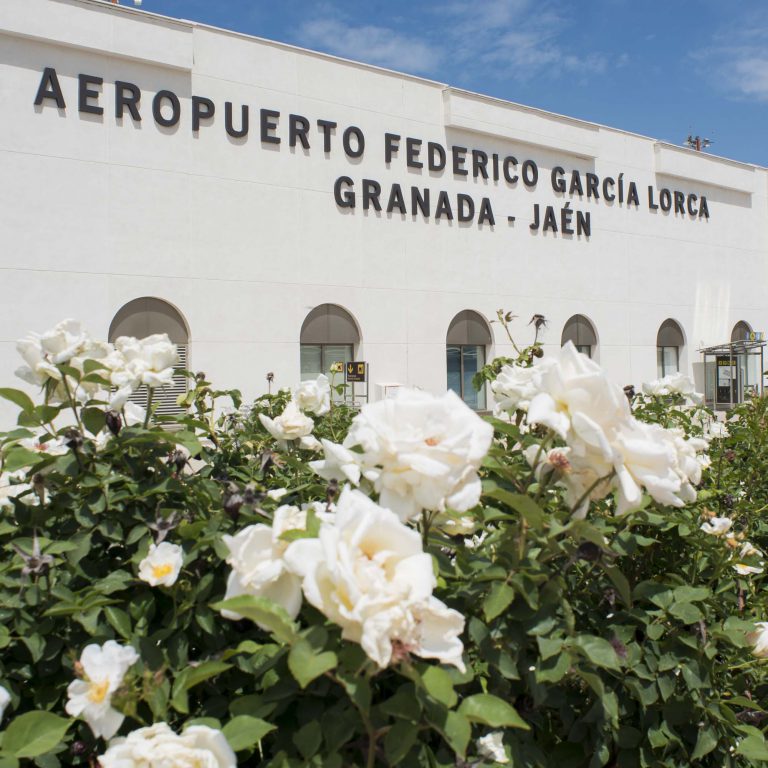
[737, 61]
[494, 39]
[372, 44]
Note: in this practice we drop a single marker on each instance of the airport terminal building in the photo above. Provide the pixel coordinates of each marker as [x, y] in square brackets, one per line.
[277, 210]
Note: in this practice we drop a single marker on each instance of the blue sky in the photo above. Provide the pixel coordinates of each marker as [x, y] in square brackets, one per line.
[662, 68]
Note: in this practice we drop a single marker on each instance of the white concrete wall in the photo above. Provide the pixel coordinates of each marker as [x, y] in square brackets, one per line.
[245, 239]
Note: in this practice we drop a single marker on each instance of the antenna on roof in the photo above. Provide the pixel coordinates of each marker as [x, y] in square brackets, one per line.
[697, 142]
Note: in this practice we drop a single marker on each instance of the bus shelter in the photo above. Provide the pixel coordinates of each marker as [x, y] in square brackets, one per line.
[733, 371]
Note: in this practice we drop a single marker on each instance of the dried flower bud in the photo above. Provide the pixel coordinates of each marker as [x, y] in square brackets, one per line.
[537, 352]
[538, 321]
[270, 377]
[78, 748]
[73, 439]
[114, 422]
[179, 460]
[629, 391]
[588, 551]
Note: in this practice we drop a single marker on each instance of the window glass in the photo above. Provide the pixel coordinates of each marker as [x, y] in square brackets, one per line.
[585, 349]
[454, 369]
[311, 361]
[667, 360]
[463, 361]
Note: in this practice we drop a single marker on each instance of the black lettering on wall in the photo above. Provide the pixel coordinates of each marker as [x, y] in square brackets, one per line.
[85, 94]
[157, 108]
[127, 95]
[49, 88]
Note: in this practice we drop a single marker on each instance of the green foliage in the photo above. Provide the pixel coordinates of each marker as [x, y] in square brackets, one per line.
[616, 641]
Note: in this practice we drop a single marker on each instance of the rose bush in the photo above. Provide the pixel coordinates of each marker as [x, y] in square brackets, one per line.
[575, 581]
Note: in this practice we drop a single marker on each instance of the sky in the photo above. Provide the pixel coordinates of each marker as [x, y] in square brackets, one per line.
[661, 68]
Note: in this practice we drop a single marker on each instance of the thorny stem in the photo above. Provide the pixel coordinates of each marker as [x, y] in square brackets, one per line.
[72, 402]
[150, 392]
[505, 325]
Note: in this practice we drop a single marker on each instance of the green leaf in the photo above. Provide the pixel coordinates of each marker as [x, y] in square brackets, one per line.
[94, 419]
[598, 651]
[7, 761]
[17, 457]
[619, 581]
[34, 733]
[308, 739]
[525, 505]
[120, 621]
[244, 731]
[439, 686]
[265, 613]
[16, 396]
[192, 676]
[688, 613]
[399, 740]
[753, 748]
[497, 601]
[457, 732]
[492, 711]
[306, 663]
[705, 743]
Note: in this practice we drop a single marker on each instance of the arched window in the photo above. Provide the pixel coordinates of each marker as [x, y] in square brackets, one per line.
[466, 346]
[669, 347]
[580, 331]
[329, 335]
[143, 317]
[741, 331]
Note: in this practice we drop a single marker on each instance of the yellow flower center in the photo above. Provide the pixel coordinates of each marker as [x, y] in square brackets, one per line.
[161, 571]
[97, 692]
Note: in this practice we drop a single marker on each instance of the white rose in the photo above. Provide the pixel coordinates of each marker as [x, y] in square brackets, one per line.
[367, 573]
[421, 451]
[673, 384]
[162, 564]
[746, 570]
[491, 747]
[103, 670]
[291, 424]
[159, 747]
[150, 361]
[5, 700]
[339, 463]
[258, 568]
[516, 386]
[53, 447]
[577, 395]
[717, 526]
[43, 352]
[759, 640]
[315, 395]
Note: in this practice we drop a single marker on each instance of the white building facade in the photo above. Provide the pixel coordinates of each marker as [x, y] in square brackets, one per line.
[278, 209]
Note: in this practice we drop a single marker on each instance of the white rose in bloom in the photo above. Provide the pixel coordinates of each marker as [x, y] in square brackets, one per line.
[367, 573]
[148, 361]
[577, 395]
[5, 700]
[258, 568]
[339, 464]
[759, 640]
[43, 352]
[491, 747]
[291, 424]
[104, 668]
[162, 564]
[315, 395]
[421, 451]
[673, 384]
[748, 549]
[746, 570]
[717, 526]
[159, 747]
[53, 447]
[515, 386]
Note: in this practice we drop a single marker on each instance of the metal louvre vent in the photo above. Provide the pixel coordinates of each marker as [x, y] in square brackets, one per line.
[165, 397]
